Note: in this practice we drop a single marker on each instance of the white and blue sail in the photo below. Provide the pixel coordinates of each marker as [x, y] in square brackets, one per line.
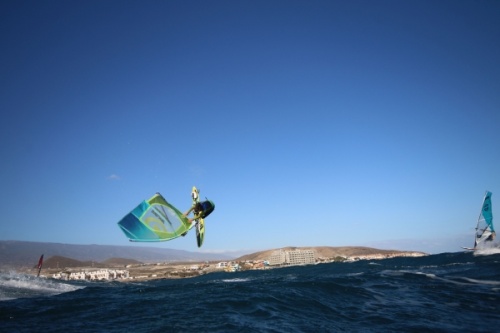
[485, 232]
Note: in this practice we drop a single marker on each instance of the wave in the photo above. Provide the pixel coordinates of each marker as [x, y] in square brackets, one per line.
[236, 280]
[484, 282]
[15, 285]
[396, 295]
[487, 251]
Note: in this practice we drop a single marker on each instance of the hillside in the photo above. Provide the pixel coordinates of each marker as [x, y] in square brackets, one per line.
[63, 262]
[25, 254]
[117, 262]
[327, 252]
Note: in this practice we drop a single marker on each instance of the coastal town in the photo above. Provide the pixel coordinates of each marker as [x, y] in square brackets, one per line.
[277, 259]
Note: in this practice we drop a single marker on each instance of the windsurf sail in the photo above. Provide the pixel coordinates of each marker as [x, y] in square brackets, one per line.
[484, 229]
[154, 220]
[40, 264]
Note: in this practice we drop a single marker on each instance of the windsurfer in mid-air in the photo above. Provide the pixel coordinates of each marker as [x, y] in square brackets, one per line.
[200, 209]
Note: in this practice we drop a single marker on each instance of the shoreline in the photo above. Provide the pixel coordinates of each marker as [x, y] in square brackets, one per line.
[181, 270]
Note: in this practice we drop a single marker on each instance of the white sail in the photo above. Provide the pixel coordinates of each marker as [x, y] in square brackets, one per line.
[485, 232]
[484, 229]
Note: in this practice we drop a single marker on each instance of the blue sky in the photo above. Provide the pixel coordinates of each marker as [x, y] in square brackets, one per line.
[308, 123]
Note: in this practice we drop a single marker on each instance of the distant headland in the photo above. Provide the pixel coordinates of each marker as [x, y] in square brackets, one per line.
[350, 253]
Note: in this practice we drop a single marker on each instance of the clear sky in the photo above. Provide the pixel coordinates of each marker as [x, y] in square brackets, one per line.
[308, 123]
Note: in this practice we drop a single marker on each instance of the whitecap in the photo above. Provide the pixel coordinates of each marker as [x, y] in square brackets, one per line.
[16, 285]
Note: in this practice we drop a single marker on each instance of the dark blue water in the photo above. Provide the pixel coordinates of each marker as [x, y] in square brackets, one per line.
[455, 292]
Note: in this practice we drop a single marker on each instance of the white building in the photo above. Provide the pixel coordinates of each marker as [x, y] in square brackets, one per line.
[222, 264]
[101, 274]
[233, 267]
[277, 258]
[291, 258]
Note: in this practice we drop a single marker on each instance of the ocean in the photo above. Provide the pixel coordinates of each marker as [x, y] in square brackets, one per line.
[450, 292]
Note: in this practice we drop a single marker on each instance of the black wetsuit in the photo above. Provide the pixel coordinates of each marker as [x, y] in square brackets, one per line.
[204, 208]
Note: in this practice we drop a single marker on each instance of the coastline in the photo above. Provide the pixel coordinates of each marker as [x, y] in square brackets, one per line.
[179, 270]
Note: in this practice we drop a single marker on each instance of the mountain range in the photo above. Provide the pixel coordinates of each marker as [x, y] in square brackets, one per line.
[21, 254]
[25, 254]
